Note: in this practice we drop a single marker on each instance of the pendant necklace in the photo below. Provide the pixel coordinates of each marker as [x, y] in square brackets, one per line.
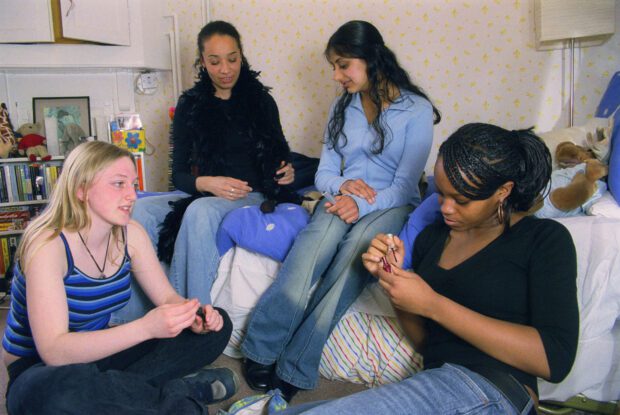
[93, 258]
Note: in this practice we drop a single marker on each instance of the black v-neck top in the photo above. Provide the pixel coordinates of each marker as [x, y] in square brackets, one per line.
[525, 276]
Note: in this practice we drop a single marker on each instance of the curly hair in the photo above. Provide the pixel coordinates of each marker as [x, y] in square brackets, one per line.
[361, 40]
[479, 158]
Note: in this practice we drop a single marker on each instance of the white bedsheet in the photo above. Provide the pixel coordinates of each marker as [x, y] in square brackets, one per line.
[243, 276]
[596, 372]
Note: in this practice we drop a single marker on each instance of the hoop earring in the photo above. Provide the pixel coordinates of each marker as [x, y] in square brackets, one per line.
[500, 213]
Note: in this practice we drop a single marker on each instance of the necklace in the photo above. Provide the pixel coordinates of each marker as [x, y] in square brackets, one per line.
[105, 259]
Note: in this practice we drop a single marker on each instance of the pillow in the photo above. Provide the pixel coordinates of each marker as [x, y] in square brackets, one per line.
[270, 234]
[613, 178]
[606, 207]
[607, 108]
[427, 213]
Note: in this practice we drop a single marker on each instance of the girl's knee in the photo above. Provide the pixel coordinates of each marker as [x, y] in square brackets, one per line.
[49, 390]
[201, 214]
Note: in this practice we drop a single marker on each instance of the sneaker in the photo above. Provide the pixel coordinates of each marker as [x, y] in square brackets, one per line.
[212, 385]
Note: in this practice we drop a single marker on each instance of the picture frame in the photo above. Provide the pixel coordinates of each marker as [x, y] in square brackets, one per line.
[63, 121]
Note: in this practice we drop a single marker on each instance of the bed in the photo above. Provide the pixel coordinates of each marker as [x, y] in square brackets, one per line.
[367, 346]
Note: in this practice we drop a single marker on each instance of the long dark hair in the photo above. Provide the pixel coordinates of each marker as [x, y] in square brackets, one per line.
[479, 158]
[361, 40]
[222, 28]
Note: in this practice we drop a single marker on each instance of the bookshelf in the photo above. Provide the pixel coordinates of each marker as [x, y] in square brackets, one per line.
[25, 187]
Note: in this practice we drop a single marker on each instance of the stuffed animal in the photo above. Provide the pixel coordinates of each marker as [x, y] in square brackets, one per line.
[32, 144]
[7, 137]
[575, 186]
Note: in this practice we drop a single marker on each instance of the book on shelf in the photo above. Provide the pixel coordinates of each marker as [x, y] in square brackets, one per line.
[21, 182]
[8, 248]
[14, 218]
[4, 243]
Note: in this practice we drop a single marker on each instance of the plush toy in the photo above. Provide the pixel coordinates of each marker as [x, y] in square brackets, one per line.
[7, 138]
[32, 144]
[577, 184]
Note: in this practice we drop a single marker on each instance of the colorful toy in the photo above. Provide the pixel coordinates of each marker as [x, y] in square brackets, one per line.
[32, 144]
[577, 184]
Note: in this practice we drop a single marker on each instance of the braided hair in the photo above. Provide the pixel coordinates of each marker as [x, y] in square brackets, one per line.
[361, 40]
[479, 158]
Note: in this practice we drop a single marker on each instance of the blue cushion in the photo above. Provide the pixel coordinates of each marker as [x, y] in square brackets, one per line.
[270, 234]
[608, 105]
[427, 213]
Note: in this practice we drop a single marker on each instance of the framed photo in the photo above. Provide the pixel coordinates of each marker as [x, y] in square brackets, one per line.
[64, 122]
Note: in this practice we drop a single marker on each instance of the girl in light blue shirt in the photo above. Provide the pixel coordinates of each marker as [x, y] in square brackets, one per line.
[376, 144]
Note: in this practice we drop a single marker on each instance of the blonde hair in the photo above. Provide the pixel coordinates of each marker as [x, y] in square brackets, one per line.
[65, 210]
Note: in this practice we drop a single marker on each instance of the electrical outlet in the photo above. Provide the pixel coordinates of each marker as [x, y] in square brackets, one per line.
[149, 80]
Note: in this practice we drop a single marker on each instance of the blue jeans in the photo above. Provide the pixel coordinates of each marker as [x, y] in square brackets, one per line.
[143, 379]
[289, 326]
[196, 258]
[450, 389]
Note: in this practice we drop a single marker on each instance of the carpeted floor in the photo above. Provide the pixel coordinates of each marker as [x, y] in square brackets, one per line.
[326, 390]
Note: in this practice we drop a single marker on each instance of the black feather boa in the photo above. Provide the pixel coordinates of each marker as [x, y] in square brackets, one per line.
[256, 114]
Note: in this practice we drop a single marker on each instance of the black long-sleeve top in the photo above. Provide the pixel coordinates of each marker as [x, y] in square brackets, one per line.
[526, 276]
[215, 137]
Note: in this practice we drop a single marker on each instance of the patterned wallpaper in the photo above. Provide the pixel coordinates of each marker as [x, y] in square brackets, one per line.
[153, 110]
[475, 58]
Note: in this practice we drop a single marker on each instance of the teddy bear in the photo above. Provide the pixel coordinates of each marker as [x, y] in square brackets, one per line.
[578, 182]
[32, 144]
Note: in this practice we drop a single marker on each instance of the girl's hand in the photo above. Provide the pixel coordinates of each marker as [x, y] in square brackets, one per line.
[386, 246]
[168, 320]
[286, 174]
[408, 291]
[359, 188]
[345, 208]
[225, 187]
[213, 321]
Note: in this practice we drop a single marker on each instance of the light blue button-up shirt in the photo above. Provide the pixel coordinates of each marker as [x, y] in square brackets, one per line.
[394, 173]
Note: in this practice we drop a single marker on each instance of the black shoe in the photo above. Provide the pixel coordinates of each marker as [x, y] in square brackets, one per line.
[257, 375]
[288, 390]
[212, 385]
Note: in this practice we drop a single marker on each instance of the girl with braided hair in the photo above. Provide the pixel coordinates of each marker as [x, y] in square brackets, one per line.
[491, 301]
[376, 145]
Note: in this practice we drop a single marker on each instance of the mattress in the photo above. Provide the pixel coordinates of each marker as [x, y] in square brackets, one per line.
[368, 346]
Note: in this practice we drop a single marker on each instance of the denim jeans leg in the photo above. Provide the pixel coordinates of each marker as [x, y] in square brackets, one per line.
[84, 389]
[280, 309]
[341, 285]
[182, 355]
[139, 380]
[150, 213]
[196, 258]
[450, 389]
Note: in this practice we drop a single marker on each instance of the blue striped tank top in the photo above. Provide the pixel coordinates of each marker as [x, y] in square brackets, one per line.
[90, 302]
